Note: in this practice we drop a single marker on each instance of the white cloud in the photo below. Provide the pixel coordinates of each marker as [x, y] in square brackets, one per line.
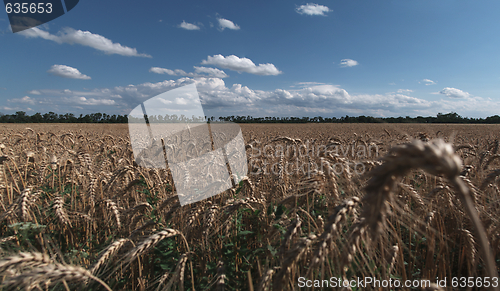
[404, 91]
[224, 23]
[25, 99]
[313, 9]
[454, 93]
[235, 63]
[67, 101]
[219, 99]
[67, 72]
[181, 101]
[5, 108]
[35, 92]
[199, 72]
[85, 38]
[189, 26]
[91, 101]
[158, 70]
[306, 84]
[213, 72]
[427, 82]
[348, 63]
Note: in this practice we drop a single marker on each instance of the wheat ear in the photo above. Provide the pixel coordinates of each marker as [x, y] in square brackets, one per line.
[150, 242]
[437, 158]
[52, 272]
[332, 228]
[58, 207]
[265, 282]
[24, 259]
[178, 274]
[108, 253]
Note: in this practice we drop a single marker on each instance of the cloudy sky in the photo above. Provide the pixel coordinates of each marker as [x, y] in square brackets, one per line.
[260, 58]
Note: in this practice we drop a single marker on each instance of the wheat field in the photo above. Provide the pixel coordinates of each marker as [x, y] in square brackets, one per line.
[320, 201]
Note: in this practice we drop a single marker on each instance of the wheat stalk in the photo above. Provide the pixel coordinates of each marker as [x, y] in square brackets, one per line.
[52, 273]
[210, 214]
[58, 207]
[110, 251]
[331, 229]
[149, 243]
[24, 200]
[2, 171]
[392, 260]
[221, 276]
[292, 230]
[24, 260]
[291, 259]
[265, 282]
[114, 208]
[435, 157]
[178, 274]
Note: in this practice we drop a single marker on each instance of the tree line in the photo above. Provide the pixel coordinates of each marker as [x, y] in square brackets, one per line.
[51, 117]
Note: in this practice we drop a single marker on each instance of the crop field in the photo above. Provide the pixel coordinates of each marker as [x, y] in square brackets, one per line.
[322, 206]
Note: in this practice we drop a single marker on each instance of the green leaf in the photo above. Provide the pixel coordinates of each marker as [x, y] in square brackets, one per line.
[272, 250]
[245, 232]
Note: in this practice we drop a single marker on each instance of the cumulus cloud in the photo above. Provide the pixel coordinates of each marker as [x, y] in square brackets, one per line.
[85, 38]
[313, 9]
[213, 72]
[189, 26]
[454, 93]
[224, 23]
[427, 82]
[306, 84]
[220, 99]
[67, 72]
[315, 99]
[199, 72]
[235, 63]
[67, 100]
[14, 109]
[91, 101]
[34, 92]
[348, 63]
[158, 70]
[25, 99]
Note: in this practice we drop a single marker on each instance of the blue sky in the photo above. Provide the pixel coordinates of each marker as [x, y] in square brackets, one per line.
[260, 58]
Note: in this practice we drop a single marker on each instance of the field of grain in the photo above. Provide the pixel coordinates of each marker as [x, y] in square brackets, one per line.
[321, 204]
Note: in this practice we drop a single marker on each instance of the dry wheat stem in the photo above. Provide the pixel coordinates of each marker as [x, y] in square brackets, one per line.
[178, 274]
[291, 259]
[394, 256]
[332, 228]
[265, 282]
[221, 276]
